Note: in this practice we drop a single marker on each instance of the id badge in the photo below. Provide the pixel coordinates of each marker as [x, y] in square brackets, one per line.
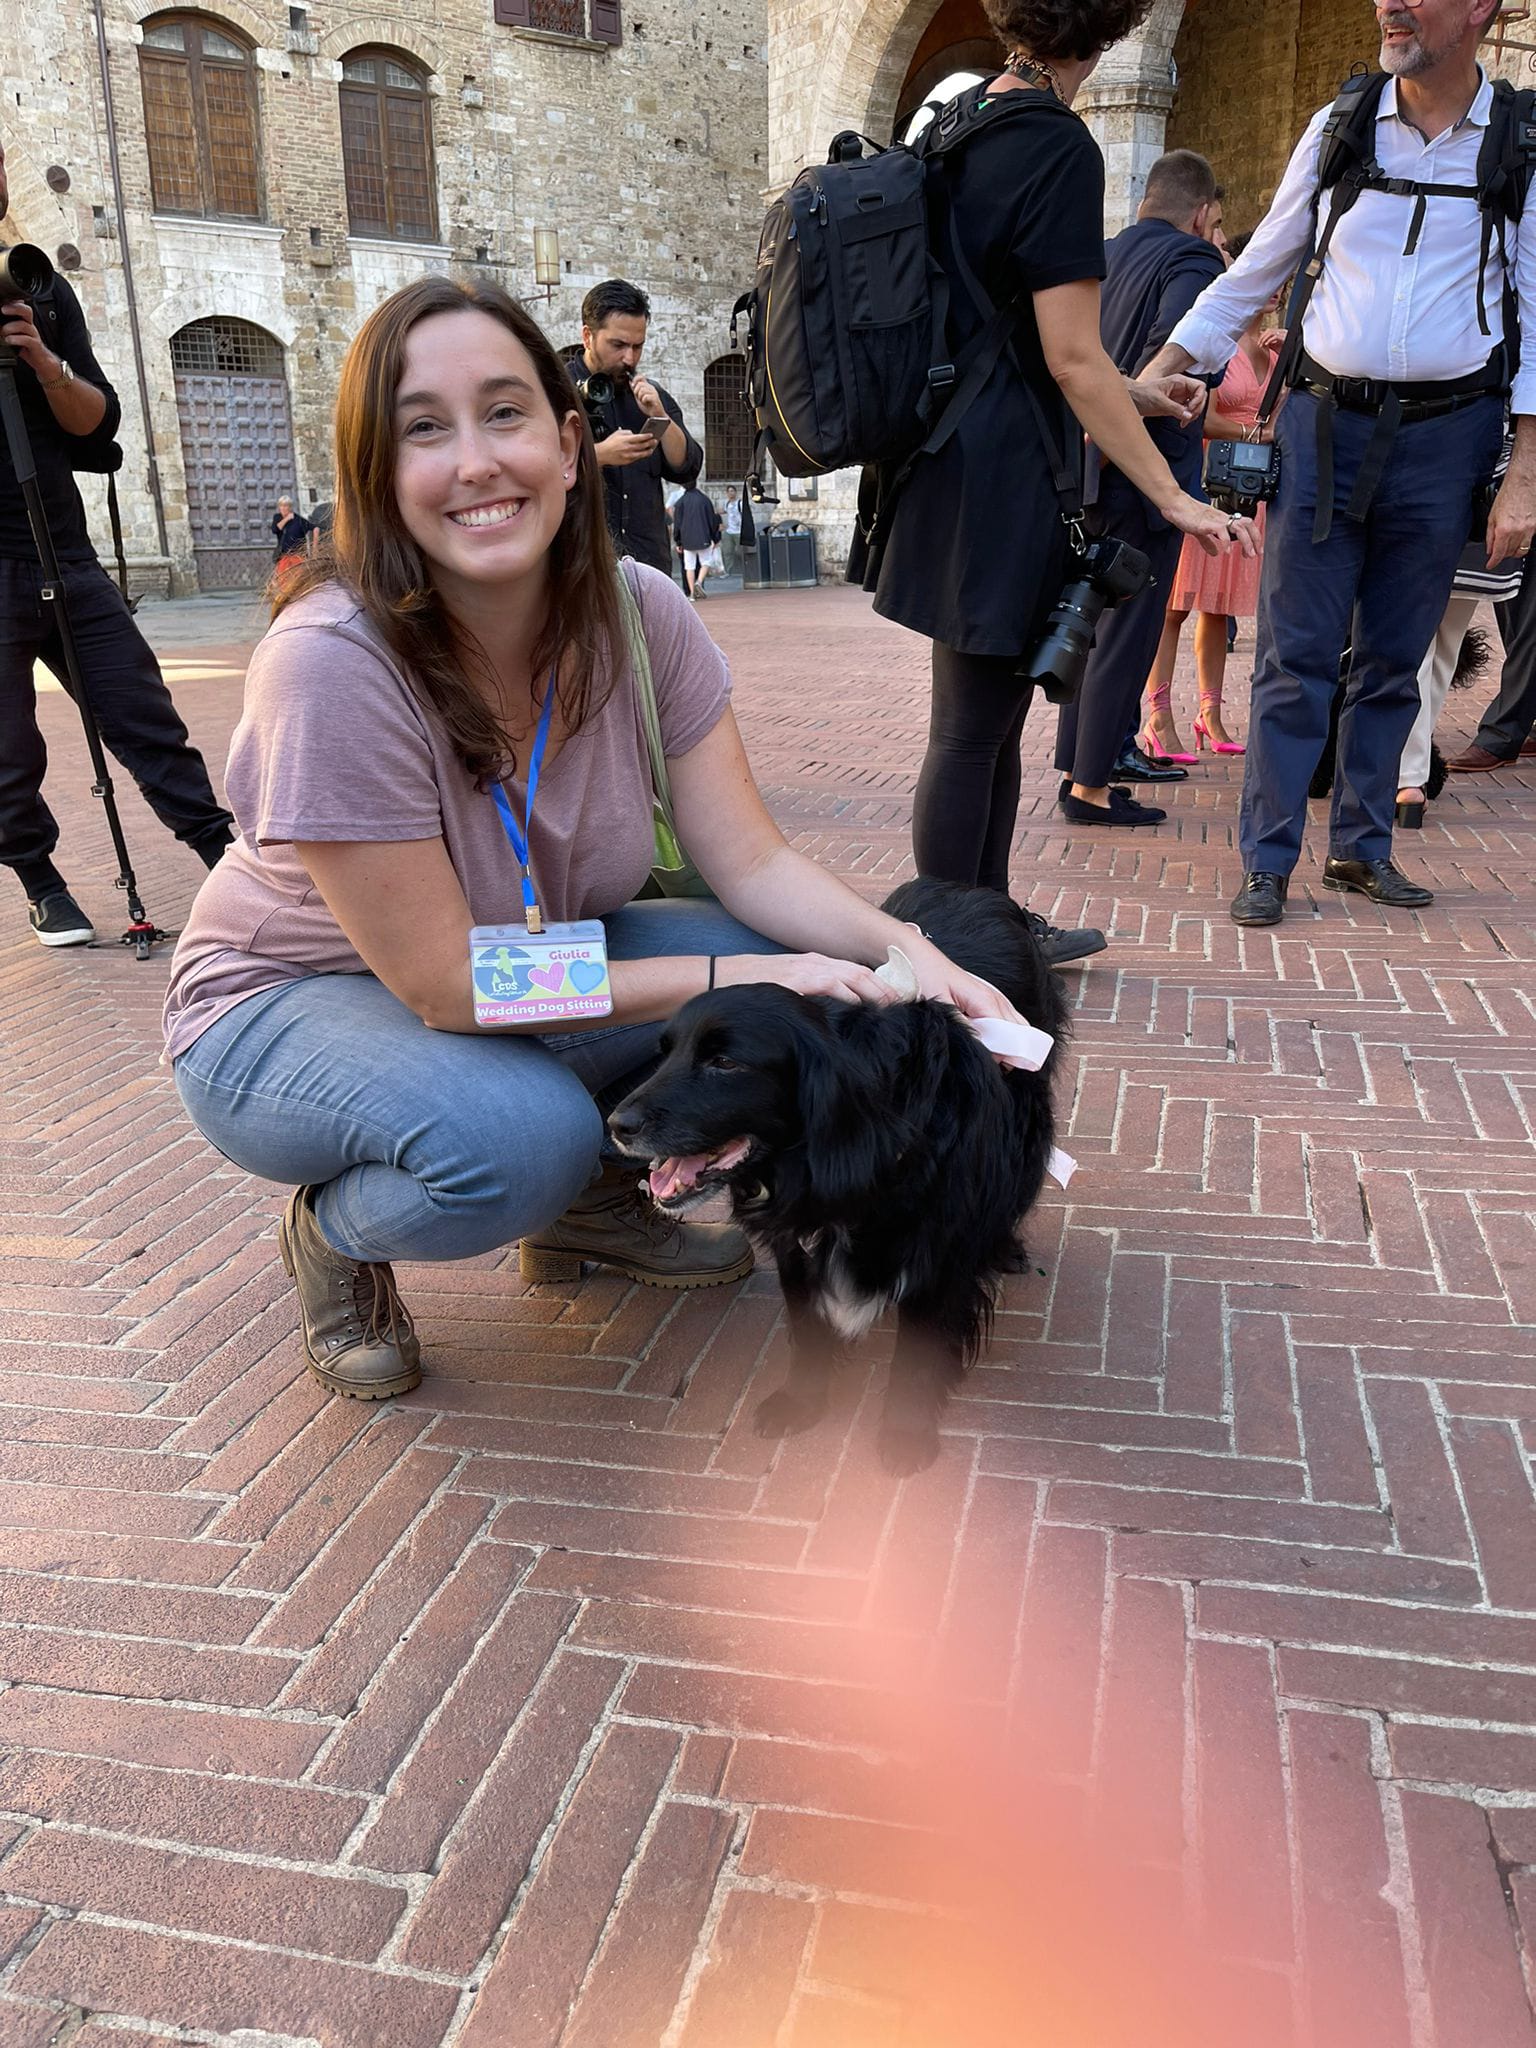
[549, 977]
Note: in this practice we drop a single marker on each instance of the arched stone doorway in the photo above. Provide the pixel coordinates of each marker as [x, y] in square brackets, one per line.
[236, 445]
[861, 63]
[1246, 94]
[959, 38]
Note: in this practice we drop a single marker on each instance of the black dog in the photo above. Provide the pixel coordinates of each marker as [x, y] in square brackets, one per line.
[881, 1154]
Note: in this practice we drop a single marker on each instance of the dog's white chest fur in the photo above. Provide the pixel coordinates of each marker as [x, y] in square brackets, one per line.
[843, 1304]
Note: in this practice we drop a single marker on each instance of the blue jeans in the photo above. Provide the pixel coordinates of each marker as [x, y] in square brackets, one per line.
[426, 1144]
[1380, 584]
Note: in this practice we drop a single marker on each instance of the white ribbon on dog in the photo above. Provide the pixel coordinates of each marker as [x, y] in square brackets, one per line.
[1011, 1045]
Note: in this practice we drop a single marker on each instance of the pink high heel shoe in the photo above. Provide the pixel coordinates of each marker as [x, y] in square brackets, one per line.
[1203, 739]
[1150, 744]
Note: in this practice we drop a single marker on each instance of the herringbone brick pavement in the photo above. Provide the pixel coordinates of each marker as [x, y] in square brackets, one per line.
[1190, 1699]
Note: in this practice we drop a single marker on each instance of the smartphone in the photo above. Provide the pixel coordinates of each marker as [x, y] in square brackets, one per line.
[653, 426]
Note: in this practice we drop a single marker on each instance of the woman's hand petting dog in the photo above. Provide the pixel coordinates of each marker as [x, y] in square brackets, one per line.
[808, 974]
[942, 981]
[817, 974]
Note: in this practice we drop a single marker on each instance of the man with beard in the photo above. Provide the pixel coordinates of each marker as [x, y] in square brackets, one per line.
[1399, 372]
[646, 442]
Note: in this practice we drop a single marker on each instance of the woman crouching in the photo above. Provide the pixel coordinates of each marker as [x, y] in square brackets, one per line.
[442, 726]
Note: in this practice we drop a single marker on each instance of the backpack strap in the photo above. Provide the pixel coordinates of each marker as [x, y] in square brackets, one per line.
[1346, 162]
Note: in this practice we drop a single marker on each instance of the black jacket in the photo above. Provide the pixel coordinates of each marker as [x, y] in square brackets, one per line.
[1154, 274]
[290, 534]
[695, 521]
[61, 323]
[637, 511]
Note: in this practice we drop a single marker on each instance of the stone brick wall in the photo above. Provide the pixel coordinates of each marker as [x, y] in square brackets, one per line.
[1246, 93]
[650, 159]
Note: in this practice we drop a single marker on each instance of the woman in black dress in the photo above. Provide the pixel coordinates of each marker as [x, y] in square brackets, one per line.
[975, 551]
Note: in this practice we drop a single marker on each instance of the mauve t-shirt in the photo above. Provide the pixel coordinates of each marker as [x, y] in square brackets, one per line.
[333, 744]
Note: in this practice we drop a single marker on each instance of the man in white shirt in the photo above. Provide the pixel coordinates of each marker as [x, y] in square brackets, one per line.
[1392, 426]
[730, 541]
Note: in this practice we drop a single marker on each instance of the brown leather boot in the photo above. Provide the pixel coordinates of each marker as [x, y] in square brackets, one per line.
[613, 1223]
[358, 1334]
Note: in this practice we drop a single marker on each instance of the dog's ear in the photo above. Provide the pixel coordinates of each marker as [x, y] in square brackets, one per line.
[853, 1134]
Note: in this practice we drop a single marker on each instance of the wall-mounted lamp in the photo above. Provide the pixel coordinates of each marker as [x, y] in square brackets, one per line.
[546, 260]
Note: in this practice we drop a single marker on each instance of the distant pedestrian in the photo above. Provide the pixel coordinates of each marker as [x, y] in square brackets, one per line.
[290, 530]
[698, 527]
[730, 539]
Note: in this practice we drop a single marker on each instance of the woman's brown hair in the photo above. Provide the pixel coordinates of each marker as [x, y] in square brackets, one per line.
[1066, 30]
[371, 552]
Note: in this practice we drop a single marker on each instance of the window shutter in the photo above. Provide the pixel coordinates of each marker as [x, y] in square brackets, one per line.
[512, 13]
[607, 22]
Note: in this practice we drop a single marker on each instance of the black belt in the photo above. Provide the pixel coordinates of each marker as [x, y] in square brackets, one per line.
[1393, 405]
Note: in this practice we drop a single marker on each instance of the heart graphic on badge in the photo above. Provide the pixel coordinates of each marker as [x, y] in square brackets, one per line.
[586, 975]
[549, 977]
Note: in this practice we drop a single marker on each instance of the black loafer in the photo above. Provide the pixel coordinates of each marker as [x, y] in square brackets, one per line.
[1261, 899]
[1120, 810]
[1136, 765]
[1377, 879]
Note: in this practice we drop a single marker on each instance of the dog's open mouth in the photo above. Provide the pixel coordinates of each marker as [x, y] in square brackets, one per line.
[679, 1180]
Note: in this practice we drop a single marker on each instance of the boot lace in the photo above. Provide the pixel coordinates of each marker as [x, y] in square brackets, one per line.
[384, 1317]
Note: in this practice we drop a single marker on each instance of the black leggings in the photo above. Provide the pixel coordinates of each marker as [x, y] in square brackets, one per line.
[967, 800]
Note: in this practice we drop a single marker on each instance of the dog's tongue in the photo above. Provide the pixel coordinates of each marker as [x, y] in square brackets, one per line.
[672, 1176]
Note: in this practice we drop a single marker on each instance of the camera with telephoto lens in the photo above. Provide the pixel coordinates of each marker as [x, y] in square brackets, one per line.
[596, 389]
[25, 273]
[1240, 476]
[1105, 573]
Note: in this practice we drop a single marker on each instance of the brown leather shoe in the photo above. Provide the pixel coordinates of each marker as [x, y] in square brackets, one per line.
[614, 1223]
[358, 1335]
[1475, 761]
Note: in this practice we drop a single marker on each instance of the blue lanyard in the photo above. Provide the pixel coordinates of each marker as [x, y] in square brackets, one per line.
[515, 832]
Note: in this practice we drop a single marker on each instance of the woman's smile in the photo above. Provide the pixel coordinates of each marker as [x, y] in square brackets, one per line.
[498, 514]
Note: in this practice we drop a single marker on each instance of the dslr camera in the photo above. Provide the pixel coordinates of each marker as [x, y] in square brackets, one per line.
[1240, 476]
[1106, 572]
[596, 389]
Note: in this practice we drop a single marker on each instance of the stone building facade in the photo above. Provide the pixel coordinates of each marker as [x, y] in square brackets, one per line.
[257, 241]
[1235, 81]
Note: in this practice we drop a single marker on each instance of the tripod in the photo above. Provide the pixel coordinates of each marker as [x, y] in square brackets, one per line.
[142, 933]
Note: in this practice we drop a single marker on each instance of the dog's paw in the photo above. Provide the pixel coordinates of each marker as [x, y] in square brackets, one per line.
[905, 1450]
[786, 1414]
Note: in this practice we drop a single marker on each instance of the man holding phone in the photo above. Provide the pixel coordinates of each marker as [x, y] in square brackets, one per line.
[647, 443]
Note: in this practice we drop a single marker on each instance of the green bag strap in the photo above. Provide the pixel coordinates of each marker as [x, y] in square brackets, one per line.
[645, 690]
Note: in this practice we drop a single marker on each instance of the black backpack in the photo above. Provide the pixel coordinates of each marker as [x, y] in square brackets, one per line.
[1347, 166]
[848, 358]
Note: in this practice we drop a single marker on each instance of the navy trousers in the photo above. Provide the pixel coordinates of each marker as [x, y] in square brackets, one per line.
[1091, 731]
[1381, 584]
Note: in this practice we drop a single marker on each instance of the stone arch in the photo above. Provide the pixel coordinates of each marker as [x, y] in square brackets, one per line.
[859, 52]
[385, 32]
[256, 305]
[264, 31]
[864, 48]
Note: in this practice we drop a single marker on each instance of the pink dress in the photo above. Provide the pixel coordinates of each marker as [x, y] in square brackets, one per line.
[1225, 584]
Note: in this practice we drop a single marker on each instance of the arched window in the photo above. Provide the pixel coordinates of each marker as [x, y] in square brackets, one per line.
[728, 428]
[386, 146]
[200, 126]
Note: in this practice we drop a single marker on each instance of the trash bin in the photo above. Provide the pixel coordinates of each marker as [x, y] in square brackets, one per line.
[756, 562]
[792, 552]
